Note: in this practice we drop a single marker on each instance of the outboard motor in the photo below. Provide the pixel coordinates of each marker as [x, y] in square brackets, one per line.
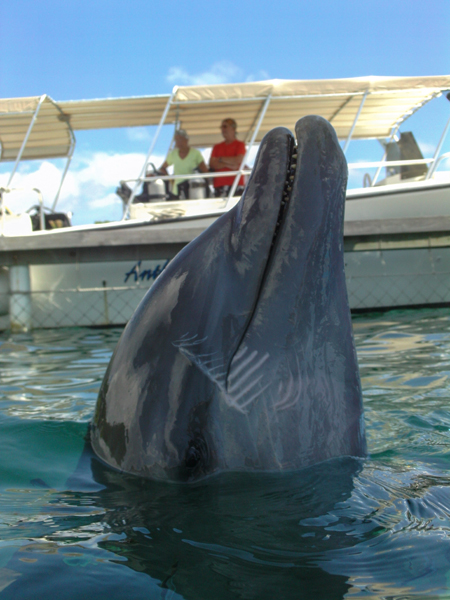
[153, 191]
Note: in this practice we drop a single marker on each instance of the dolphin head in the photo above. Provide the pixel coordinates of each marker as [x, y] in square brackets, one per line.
[241, 355]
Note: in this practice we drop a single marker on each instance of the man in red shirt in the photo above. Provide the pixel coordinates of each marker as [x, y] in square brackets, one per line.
[227, 156]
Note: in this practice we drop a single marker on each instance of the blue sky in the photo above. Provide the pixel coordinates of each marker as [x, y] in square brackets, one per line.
[78, 49]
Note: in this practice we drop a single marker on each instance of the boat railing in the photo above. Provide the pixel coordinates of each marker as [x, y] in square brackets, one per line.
[207, 175]
[440, 159]
[433, 162]
[389, 163]
[5, 209]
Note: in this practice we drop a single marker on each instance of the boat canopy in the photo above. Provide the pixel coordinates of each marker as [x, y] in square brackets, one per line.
[361, 107]
[49, 133]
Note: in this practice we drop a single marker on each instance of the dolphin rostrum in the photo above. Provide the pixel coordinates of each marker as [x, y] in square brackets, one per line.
[241, 355]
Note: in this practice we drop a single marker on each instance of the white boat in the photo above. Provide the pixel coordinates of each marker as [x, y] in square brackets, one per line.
[396, 234]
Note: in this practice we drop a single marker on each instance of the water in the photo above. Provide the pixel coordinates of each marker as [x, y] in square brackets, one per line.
[378, 528]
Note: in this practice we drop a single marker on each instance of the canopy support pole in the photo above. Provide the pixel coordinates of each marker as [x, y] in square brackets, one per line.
[247, 154]
[391, 137]
[149, 153]
[432, 169]
[69, 160]
[24, 143]
[355, 121]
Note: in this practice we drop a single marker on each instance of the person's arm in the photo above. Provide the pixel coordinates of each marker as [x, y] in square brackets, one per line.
[217, 163]
[214, 161]
[202, 167]
[163, 168]
[232, 162]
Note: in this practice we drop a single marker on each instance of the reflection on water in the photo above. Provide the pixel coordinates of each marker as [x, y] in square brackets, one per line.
[379, 528]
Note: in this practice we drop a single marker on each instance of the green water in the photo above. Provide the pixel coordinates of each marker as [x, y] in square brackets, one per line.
[379, 528]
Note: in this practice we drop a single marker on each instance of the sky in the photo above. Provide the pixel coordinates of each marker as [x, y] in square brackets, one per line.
[79, 49]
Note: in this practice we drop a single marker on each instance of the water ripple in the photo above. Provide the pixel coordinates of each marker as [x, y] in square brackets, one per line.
[379, 528]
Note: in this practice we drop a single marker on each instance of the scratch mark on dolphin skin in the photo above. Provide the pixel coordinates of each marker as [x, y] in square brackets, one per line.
[244, 379]
[204, 361]
[237, 378]
[250, 386]
[221, 374]
[184, 338]
[254, 397]
[192, 341]
[250, 371]
[286, 401]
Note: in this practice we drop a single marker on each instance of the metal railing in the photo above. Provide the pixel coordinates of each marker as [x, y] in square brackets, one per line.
[209, 175]
[433, 162]
[247, 171]
[436, 164]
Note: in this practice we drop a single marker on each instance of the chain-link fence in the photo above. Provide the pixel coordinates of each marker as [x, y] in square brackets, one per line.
[384, 291]
[74, 294]
[392, 278]
[70, 307]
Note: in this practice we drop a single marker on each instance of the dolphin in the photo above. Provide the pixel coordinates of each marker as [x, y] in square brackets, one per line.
[241, 355]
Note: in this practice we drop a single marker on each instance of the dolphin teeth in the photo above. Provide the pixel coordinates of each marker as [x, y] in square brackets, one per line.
[286, 194]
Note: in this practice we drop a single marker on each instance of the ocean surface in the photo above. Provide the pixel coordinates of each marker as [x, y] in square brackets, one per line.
[376, 528]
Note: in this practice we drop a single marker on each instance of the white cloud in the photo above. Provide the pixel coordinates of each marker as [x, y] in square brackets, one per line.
[106, 169]
[220, 72]
[46, 178]
[105, 202]
[138, 134]
[258, 76]
[427, 149]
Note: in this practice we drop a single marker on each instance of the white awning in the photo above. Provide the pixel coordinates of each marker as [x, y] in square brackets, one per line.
[200, 110]
[50, 136]
[389, 100]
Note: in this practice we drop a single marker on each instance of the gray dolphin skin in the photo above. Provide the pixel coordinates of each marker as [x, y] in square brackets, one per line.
[241, 355]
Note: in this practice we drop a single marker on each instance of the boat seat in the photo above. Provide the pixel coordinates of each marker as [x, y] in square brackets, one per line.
[52, 220]
[406, 149]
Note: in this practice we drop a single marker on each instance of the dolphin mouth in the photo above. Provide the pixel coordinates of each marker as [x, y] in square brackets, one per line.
[286, 195]
[284, 200]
